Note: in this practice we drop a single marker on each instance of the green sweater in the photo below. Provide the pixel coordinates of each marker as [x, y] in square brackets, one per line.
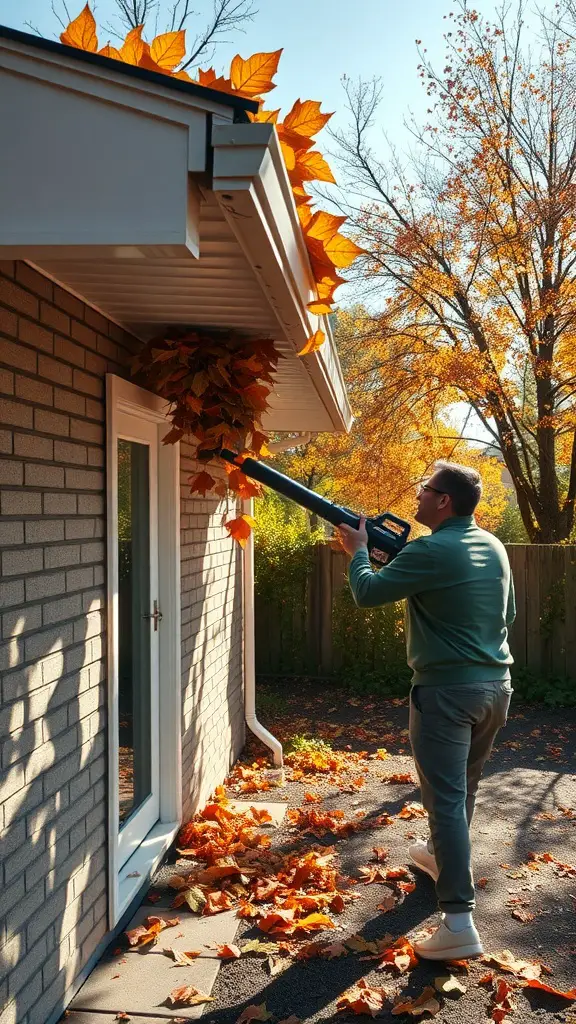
[460, 602]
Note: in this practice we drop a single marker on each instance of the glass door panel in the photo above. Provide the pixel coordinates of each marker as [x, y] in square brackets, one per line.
[137, 625]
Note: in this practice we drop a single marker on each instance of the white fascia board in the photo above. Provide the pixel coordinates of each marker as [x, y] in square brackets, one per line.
[114, 87]
[252, 187]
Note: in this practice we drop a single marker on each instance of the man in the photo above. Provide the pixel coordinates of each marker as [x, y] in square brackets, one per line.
[460, 602]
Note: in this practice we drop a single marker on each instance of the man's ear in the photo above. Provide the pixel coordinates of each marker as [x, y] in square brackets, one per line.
[444, 500]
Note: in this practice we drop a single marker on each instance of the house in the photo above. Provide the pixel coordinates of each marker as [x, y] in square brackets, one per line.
[128, 201]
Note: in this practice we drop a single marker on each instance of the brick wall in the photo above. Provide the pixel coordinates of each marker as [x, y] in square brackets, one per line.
[212, 687]
[54, 352]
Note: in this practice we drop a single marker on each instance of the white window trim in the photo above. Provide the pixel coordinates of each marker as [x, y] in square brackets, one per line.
[123, 396]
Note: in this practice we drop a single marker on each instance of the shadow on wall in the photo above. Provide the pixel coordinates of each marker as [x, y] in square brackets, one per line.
[212, 672]
[53, 844]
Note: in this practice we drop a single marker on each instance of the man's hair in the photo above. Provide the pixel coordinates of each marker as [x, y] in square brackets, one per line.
[462, 483]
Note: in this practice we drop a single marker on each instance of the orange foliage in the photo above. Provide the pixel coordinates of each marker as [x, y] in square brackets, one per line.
[252, 78]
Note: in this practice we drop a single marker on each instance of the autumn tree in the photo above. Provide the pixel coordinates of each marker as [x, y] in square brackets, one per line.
[398, 432]
[471, 247]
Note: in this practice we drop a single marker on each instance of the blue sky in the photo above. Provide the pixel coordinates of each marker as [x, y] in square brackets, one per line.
[322, 40]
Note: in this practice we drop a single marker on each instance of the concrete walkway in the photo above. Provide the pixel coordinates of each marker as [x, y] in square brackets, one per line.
[137, 982]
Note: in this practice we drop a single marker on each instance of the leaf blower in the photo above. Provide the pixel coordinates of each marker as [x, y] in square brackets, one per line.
[387, 534]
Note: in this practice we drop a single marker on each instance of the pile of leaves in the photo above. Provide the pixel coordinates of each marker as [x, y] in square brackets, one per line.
[217, 384]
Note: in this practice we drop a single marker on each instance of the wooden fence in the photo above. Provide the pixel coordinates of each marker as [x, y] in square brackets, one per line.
[298, 639]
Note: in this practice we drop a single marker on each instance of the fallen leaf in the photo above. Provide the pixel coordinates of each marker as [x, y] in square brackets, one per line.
[333, 950]
[149, 930]
[424, 1003]
[448, 984]
[412, 810]
[229, 951]
[534, 983]
[363, 999]
[380, 853]
[502, 1002]
[400, 956]
[481, 883]
[256, 946]
[182, 959]
[187, 995]
[254, 1013]
[388, 902]
[506, 961]
[525, 916]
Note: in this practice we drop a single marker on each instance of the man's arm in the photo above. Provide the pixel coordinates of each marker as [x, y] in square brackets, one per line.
[412, 571]
[511, 606]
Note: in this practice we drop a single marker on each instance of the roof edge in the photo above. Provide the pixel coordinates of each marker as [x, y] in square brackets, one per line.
[239, 104]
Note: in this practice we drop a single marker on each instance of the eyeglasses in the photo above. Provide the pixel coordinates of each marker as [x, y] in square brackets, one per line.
[427, 487]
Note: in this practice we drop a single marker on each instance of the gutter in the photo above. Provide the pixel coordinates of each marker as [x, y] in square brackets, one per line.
[241, 106]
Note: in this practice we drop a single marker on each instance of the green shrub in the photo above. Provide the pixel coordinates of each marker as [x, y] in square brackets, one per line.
[551, 691]
[370, 646]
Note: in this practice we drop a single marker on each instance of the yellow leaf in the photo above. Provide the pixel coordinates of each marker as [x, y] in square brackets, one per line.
[183, 75]
[313, 343]
[318, 307]
[312, 166]
[254, 76]
[133, 46]
[111, 52]
[168, 49]
[265, 116]
[304, 215]
[342, 251]
[151, 65]
[305, 118]
[210, 80]
[81, 32]
[324, 225]
[289, 156]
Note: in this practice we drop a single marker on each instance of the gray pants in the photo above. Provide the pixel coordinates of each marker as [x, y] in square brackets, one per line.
[452, 730]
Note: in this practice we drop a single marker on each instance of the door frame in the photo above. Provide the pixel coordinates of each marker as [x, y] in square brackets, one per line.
[123, 396]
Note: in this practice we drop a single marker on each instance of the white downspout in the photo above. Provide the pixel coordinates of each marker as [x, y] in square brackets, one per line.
[249, 653]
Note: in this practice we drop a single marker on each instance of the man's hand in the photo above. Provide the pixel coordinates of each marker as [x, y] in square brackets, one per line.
[353, 540]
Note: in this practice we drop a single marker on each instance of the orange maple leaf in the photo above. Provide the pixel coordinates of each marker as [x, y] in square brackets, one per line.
[201, 483]
[81, 33]
[239, 528]
[253, 77]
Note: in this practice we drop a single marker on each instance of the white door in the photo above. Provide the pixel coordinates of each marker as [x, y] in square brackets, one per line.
[139, 621]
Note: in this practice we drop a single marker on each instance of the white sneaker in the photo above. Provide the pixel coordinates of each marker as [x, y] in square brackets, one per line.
[420, 857]
[444, 944]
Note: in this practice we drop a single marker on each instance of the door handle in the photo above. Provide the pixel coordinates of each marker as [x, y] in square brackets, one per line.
[155, 616]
